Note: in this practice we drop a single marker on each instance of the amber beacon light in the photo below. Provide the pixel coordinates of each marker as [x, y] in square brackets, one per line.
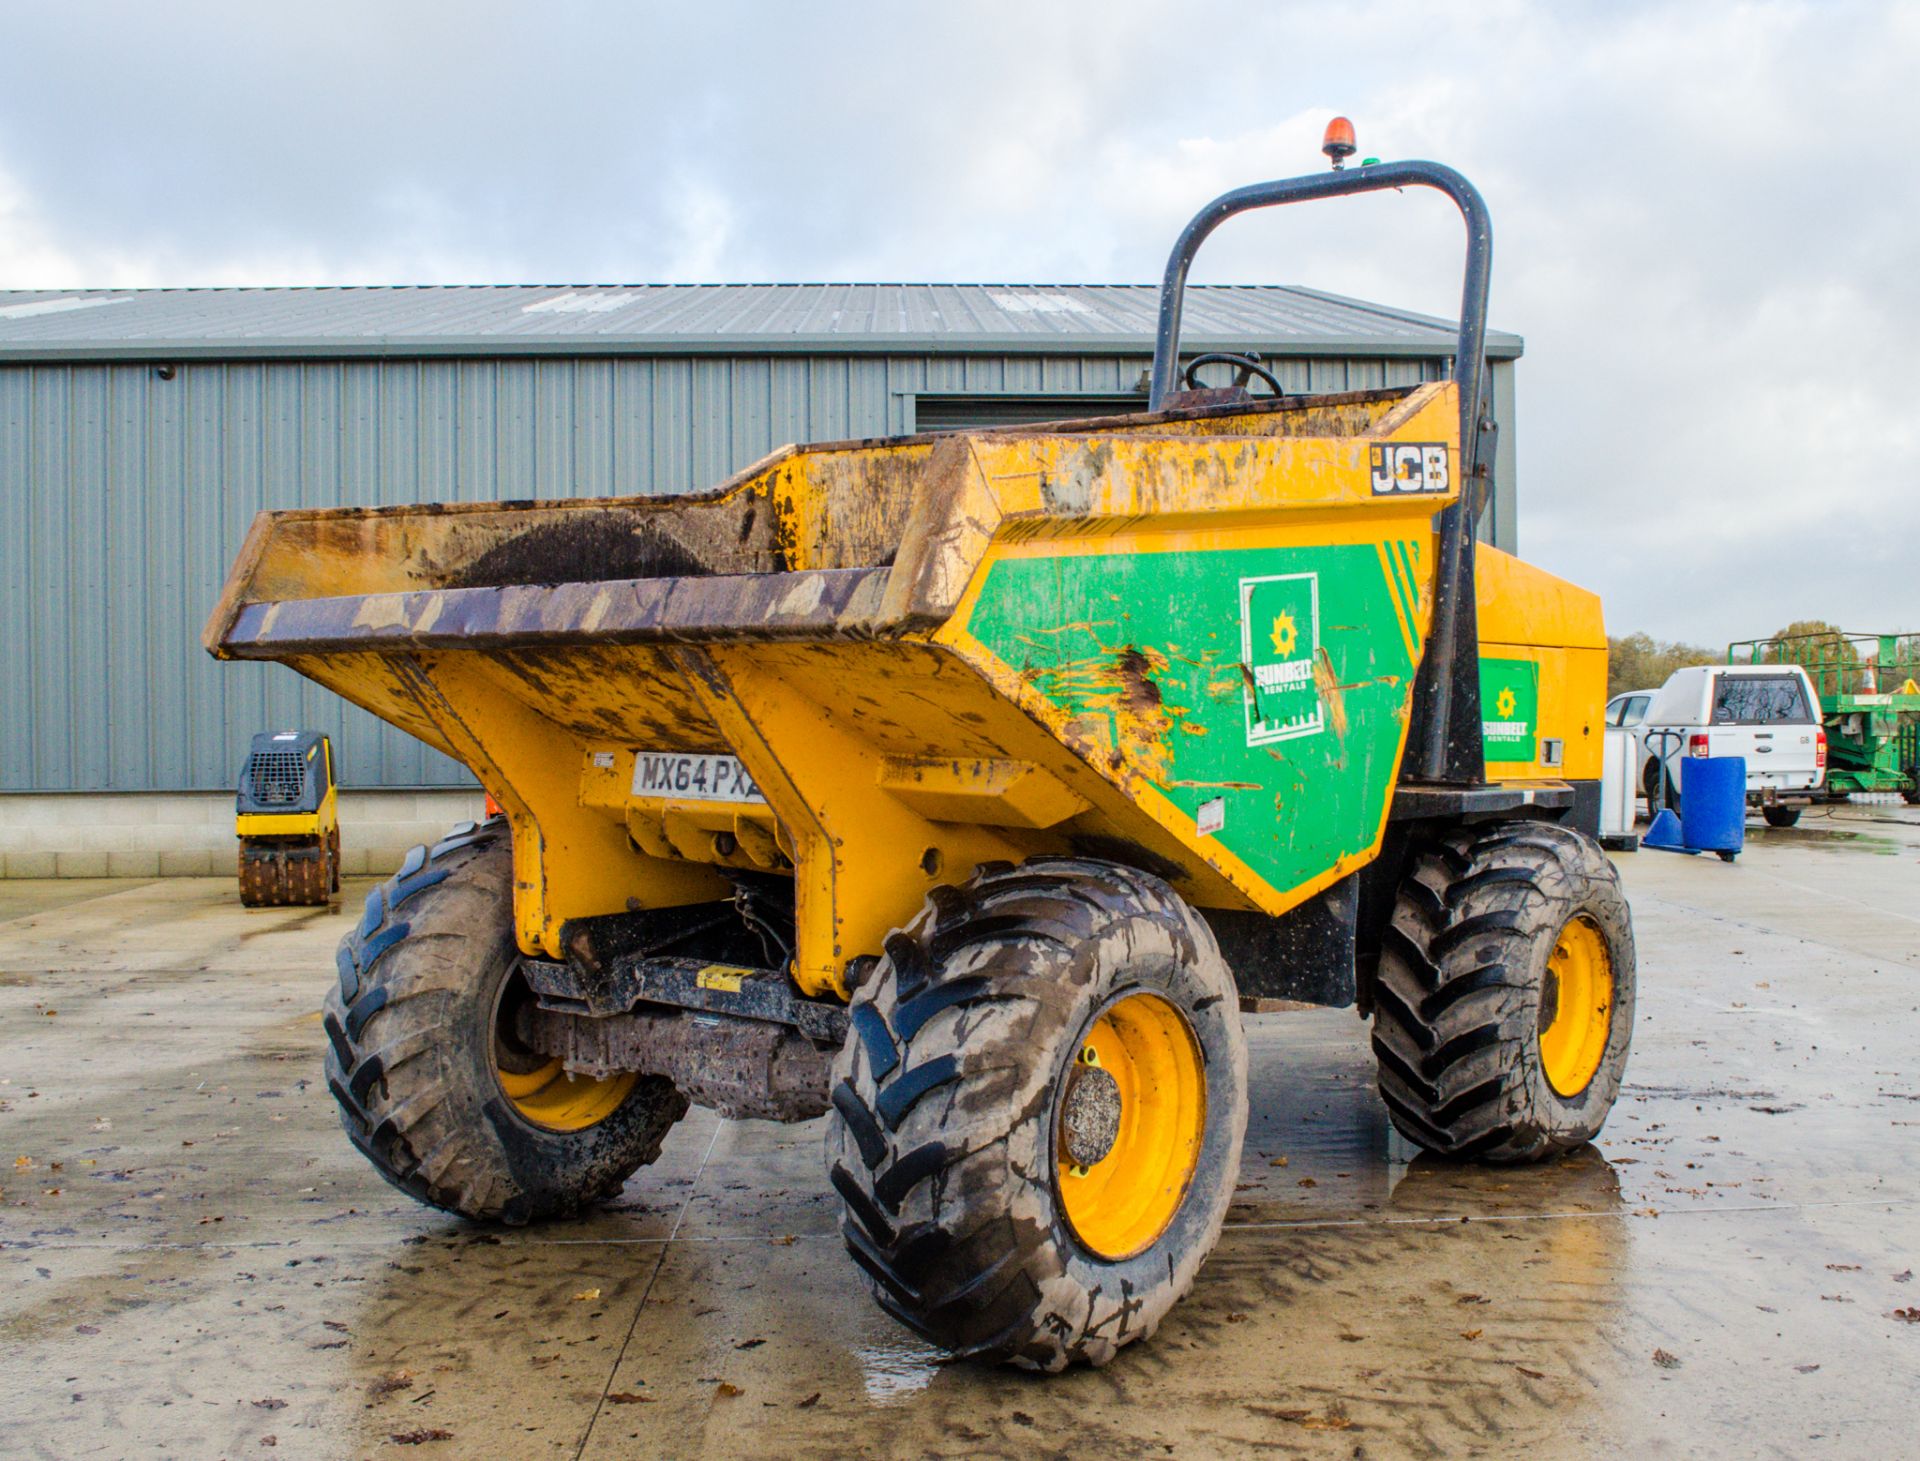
[1338, 142]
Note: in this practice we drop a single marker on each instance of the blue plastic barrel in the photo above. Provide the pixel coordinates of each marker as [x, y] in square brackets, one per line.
[1713, 803]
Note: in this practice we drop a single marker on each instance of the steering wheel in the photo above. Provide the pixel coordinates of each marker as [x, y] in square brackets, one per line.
[1248, 366]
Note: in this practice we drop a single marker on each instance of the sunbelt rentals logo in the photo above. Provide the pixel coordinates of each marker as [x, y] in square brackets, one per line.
[1279, 640]
[1509, 708]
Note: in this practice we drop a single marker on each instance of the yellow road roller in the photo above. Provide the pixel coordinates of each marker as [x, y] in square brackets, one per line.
[287, 821]
[965, 789]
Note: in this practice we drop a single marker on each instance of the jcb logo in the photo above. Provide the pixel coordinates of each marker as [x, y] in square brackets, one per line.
[1409, 466]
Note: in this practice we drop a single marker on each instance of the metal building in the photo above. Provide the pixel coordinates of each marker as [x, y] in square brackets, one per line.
[141, 430]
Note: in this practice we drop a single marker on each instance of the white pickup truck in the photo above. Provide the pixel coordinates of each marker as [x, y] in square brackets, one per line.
[1767, 713]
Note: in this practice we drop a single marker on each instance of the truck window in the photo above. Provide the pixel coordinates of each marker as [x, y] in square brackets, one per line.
[1760, 700]
[1636, 710]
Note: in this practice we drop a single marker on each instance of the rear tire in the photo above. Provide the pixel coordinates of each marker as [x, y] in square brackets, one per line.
[1007, 1195]
[1492, 930]
[415, 1059]
[1650, 784]
[1780, 816]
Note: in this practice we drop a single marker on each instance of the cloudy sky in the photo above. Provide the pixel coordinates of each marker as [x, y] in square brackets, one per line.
[1705, 214]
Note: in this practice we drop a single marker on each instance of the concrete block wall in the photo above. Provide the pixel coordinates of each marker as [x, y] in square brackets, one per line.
[190, 834]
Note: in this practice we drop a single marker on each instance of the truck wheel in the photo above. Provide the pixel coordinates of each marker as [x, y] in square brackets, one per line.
[1038, 1112]
[433, 1085]
[1650, 784]
[1780, 816]
[1911, 794]
[1503, 1007]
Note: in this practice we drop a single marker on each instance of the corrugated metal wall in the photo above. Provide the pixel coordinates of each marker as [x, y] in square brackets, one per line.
[124, 496]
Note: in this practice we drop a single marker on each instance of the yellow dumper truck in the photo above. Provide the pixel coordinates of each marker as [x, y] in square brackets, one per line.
[964, 789]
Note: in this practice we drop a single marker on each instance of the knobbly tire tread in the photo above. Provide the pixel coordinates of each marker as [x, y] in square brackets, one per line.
[417, 980]
[940, 1139]
[1457, 997]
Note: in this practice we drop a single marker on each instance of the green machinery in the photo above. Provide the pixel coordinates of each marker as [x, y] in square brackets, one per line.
[1869, 689]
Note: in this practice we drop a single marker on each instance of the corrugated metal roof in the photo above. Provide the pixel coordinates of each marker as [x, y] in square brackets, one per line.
[684, 319]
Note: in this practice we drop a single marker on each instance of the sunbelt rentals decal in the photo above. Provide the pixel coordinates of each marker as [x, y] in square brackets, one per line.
[1509, 708]
[1279, 640]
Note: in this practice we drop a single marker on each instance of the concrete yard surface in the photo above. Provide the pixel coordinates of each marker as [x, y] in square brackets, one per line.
[194, 1263]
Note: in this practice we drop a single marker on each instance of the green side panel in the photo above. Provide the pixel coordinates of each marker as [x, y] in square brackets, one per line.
[1510, 708]
[1264, 690]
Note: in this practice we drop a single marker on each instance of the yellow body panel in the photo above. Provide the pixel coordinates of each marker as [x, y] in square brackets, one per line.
[291, 824]
[1527, 613]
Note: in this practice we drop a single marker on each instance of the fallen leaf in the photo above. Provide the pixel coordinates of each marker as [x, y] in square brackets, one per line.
[1278, 1162]
[750, 1344]
[811, 1401]
[1843, 1267]
[387, 1384]
[1531, 1374]
[1805, 1369]
[23, 1161]
[272, 1402]
[269, 1440]
[726, 1390]
[586, 1296]
[785, 1240]
[86, 1329]
[1473, 1299]
[1471, 1333]
[1328, 1422]
[1236, 1318]
[1907, 1316]
[1906, 1277]
[1308, 1182]
[421, 1436]
[627, 1397]
[1666, 1361]
[335, 1325]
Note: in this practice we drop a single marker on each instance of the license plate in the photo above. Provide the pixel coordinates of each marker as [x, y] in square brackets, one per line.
[693, 777]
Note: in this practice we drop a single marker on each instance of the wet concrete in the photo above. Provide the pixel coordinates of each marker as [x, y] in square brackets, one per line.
[194, 1263]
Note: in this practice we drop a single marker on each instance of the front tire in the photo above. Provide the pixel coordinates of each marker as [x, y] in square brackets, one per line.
[1038, 1113]
[1780, 816]
[1503, 1006]
[422, 1057]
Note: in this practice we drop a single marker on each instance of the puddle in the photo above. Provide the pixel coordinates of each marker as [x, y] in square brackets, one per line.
[1828, 839]
[894, 1371]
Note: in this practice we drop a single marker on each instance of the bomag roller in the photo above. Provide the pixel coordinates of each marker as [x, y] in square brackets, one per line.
[965, 789]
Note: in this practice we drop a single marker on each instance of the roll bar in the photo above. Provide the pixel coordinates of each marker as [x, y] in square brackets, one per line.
[1440, 749]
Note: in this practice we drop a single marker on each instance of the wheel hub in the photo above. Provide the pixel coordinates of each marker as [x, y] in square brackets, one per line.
[1090, 1118]
[1129, 1125]
[1576, 1007]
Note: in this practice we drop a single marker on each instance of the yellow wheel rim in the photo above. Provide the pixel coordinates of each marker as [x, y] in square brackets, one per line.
[539, 1088]
[1576, 1007]
[548, 1096]
[1120, 1203]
